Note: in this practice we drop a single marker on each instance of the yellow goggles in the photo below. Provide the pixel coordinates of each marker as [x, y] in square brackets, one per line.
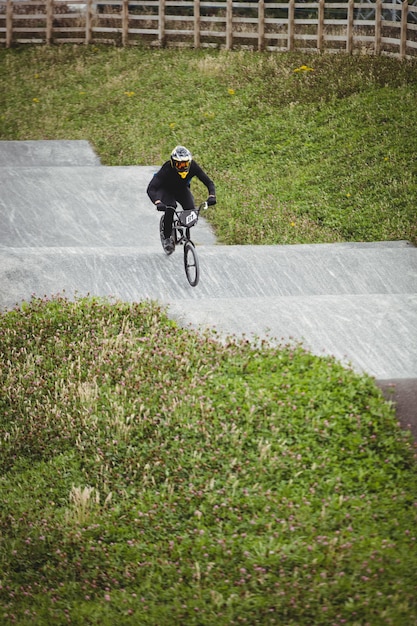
[182, 165]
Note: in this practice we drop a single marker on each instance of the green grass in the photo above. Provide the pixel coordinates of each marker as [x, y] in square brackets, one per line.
[317, 155]
[153, 476]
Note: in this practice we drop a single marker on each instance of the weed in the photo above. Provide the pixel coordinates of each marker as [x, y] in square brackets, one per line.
[154, 475]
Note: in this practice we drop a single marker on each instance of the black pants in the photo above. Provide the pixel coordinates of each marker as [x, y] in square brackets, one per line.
[185, 199]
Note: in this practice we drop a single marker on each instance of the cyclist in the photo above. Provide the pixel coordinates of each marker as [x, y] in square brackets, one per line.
[171, 184]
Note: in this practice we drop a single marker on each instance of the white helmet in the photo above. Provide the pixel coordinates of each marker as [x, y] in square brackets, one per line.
[181, 160]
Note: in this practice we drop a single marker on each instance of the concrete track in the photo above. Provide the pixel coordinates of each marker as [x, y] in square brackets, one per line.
[70, 225]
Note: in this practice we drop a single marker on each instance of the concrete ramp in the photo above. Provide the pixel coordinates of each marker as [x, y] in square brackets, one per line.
[72, 226]
[47, 153]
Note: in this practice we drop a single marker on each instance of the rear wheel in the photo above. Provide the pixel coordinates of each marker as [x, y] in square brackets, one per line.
[191, 265]
[162, 236]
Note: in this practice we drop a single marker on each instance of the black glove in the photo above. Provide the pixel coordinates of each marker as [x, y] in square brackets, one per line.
[211, 200]
[160, 206]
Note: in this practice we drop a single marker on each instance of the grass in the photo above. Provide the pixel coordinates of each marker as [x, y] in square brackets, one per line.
[303, 148]
[150, 475]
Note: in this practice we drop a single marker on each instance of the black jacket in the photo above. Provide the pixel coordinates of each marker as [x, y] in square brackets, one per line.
[168, 179]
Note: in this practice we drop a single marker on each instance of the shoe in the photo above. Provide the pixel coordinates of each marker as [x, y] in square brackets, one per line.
[169, 246]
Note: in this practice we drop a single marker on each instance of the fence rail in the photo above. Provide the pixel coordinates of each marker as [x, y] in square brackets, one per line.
[371, 26]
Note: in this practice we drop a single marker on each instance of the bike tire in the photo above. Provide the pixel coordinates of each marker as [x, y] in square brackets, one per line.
[191, 263]
[162, 236]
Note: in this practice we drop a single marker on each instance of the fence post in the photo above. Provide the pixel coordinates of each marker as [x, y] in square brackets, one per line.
[89, 23]
[404, 15]
[197, 24]
[349, 34]
[229, 25]
[49, 20]
[291, 25]
[261, 25]
[161, 36]
[9, 23]
[320, 26]
[378, 24]
[125, 23]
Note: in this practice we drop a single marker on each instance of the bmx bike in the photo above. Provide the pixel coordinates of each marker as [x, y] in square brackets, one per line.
[182, 223]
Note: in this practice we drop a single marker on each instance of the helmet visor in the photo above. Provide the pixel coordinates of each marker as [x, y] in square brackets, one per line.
[182, 166]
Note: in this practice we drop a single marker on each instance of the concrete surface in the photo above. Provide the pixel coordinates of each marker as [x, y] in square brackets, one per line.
[70, 225]
[40, 153]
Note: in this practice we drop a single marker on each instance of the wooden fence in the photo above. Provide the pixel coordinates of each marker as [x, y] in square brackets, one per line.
[370, 26]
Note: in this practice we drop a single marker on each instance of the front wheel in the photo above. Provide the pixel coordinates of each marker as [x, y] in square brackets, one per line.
[191, 265]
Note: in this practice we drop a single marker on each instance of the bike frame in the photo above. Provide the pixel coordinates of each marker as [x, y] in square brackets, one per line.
[184, 221]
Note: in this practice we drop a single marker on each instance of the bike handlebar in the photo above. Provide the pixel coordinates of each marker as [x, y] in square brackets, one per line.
[202, 207]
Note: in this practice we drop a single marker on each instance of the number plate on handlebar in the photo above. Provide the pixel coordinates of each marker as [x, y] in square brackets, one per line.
[188, 218]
